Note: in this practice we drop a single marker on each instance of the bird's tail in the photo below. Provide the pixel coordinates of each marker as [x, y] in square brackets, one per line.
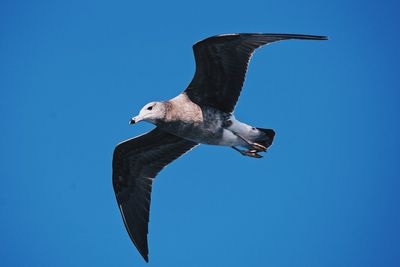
[266, 138]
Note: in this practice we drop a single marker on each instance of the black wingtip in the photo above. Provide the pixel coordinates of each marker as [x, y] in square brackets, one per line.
[278, 36]
[317, 37]
[144, 252]
[298, 36]
[320, 37]
[146, 258]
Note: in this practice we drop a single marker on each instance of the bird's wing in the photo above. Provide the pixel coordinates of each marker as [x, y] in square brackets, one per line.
[221, 64]
[136, 162]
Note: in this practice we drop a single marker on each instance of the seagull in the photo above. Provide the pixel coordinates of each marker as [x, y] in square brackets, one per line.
[201, 114]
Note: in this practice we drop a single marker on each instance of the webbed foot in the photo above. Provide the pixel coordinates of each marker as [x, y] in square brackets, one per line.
[258, 147]
[250, 153]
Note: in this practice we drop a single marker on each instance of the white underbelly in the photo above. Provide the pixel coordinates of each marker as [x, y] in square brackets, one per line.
[230, 139]
[230, 134]
[215, 133]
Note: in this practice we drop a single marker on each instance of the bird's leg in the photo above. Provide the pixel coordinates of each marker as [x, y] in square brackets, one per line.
[256, 146]
[250, 153]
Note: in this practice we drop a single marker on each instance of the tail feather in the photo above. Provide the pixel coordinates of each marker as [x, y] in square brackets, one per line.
[266, 138]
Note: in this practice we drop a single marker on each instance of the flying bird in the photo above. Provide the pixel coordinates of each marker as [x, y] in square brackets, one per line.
[201, 114]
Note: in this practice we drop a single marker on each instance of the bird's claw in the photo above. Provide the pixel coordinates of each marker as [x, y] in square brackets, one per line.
[251, 153]
[258, 148]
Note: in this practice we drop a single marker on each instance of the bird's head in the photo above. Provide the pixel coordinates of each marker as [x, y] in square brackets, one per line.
[151, 112]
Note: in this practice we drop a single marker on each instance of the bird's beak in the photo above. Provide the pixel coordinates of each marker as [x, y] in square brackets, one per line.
[135, 120]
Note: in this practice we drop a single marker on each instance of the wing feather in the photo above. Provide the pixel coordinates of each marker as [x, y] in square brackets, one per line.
[136, 162]
[221, 65]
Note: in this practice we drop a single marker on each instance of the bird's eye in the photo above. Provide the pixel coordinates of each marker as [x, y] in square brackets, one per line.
[150, 108]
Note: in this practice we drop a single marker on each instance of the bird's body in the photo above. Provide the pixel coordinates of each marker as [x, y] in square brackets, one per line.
[202, 114]
[208, 125]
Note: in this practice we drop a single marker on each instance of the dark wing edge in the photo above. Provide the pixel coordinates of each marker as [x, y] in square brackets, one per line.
[221, 65]
[136, 162]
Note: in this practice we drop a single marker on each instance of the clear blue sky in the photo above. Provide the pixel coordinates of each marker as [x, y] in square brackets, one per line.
[72, 73]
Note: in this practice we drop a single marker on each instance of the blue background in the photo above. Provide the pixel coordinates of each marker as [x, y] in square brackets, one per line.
[72, 73]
